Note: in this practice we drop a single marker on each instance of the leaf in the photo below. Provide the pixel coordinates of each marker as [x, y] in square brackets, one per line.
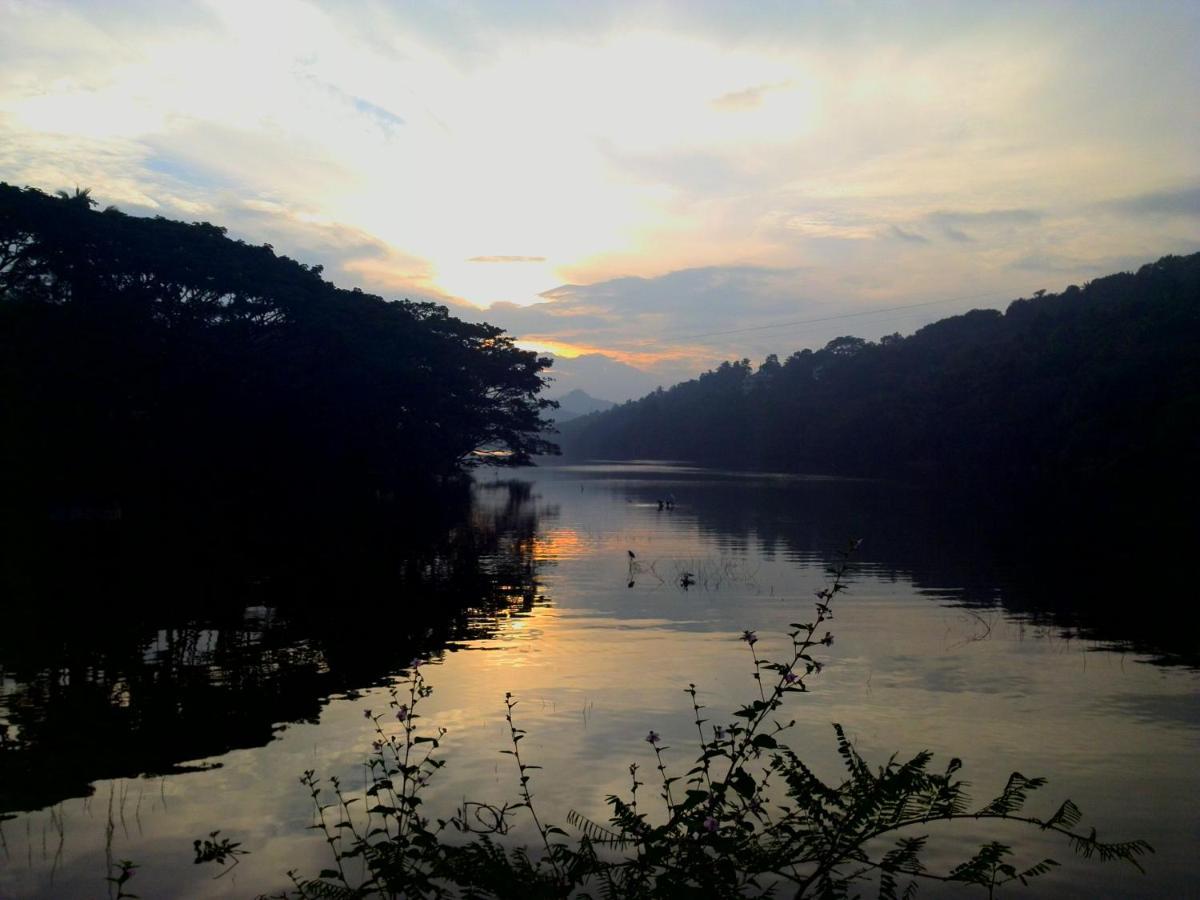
[1067, 816]
[742, 782]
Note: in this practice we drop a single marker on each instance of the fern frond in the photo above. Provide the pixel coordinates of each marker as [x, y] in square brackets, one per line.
[323, 890]
[1014, 795]
[859, 770]
[1067, 816]
[596, 833]
[1046, 865]
[1128, 851]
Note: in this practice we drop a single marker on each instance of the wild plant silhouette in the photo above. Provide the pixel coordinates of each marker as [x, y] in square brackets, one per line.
[748, 818]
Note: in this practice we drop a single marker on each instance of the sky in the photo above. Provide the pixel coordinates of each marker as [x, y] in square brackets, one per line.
[642, 189]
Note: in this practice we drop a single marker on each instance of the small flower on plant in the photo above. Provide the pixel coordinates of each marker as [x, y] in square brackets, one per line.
[366, 714]
[790, 677]
[710, 824]
[750, 637]
[653, 737]
[402, 712]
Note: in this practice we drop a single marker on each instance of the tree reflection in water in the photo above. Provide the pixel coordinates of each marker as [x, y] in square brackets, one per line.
[132, 651]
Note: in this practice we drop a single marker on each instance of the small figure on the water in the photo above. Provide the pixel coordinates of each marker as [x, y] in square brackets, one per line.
[632, 555]
[670, 501]
[686, 580]
[660, 504]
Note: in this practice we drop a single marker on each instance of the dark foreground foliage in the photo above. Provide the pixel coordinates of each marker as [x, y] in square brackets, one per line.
[749, 818]
[147, 358]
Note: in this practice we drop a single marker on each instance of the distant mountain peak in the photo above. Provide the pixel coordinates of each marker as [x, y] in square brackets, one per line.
[579, 395]
[577, 402]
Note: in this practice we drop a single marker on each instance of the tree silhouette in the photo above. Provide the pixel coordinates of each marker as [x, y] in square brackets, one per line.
[1084, 400]
[147, 356]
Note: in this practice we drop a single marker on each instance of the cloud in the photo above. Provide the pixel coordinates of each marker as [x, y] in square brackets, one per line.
[1077, 268]
[606, 378]
[507, 259]
[747, 98]
[386, 271]
[953, 224]
[696, 172]
[680, 323]
[839, 227]
[1179, 202]
[646, 321]
[387, 121]
[911, 236]
[686, 169]
[986, 217]
[741, 289]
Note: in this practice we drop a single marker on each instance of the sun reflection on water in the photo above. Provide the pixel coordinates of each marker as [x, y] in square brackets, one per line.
[559, 544]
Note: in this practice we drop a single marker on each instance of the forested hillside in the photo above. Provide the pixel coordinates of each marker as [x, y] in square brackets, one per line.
[151, 358]
[1096, 388]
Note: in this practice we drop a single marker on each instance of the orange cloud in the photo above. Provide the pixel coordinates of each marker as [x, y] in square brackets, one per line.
[648, 358]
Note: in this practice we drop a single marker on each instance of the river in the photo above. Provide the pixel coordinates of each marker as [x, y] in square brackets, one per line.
[594, 594]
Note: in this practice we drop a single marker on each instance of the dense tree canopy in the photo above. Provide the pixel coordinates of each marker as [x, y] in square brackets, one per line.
[140, 355]
[1095, 390]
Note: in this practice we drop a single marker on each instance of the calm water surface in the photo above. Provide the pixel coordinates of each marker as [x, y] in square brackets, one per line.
[930, 652]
